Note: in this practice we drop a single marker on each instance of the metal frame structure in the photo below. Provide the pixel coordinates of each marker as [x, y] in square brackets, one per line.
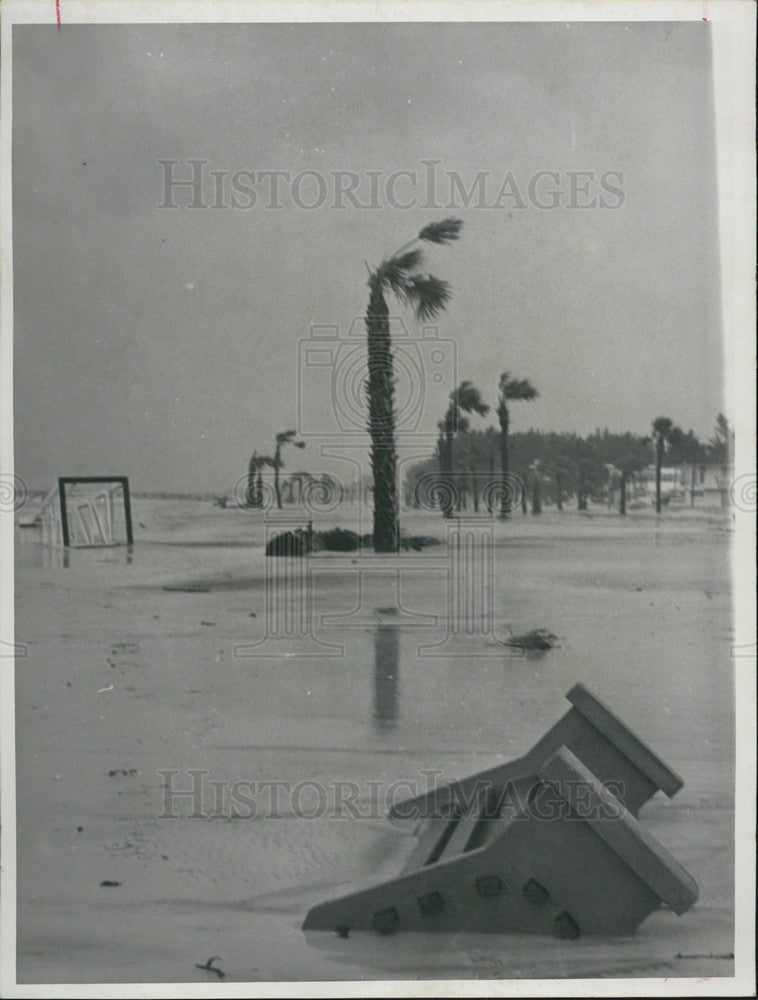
[64, 481]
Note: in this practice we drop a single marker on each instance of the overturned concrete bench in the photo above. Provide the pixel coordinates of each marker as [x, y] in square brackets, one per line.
[604, 744]
[544, 844]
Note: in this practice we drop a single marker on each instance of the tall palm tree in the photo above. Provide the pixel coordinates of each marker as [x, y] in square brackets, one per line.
[282, 438]
[663, 431]
[510, 390]
[465, 399]
[402, 275]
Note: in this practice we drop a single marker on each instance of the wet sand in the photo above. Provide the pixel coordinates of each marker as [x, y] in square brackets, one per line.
[125, 679]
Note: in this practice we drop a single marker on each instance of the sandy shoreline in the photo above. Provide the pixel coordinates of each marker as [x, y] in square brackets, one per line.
[124, 680]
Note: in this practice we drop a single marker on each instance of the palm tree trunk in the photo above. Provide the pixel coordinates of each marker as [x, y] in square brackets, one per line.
[250, 491]
[536, 499]
[381, 391]
[505, 500]
[692, 485]
[581, 496]
[447, 501]
[658, 464]
[559, 484]
[474, 492]
[277, 463]
[622, 494]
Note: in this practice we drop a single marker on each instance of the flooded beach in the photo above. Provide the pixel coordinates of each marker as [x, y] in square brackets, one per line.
[203, 754]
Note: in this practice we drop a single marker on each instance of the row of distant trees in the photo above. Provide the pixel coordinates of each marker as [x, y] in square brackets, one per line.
[257, 463]
[555, 467]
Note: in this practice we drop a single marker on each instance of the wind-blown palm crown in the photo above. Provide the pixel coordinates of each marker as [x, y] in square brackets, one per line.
[403, 275]
[515, 388]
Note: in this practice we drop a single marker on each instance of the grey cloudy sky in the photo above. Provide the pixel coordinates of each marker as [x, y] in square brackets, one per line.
[163, 344]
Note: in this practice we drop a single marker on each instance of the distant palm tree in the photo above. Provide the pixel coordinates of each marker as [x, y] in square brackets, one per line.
[402, 275]
[689, 450]
[663, 430]
[536, 494]
[560, 469]
[510, 390]
[628, 465]
[282, 438]
[490, 434]
[587, 471]
[297, 479]
[254, 491]
[722, 443]
[465, 399]
[252, 470]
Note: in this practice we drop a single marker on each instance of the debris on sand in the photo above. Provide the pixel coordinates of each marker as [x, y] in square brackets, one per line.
[109, 882]
[419, 542]
[539, 639]
[209, 967]
[710, 954]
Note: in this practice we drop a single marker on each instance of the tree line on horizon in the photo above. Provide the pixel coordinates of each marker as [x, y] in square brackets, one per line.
[557, 466]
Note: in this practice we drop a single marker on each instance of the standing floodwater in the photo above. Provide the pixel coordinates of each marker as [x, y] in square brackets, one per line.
[386, 675]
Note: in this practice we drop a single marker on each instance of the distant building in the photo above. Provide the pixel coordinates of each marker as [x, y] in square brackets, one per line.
[710, 487]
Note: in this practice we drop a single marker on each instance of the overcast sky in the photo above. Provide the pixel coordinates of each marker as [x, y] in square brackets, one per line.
[164, 344]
